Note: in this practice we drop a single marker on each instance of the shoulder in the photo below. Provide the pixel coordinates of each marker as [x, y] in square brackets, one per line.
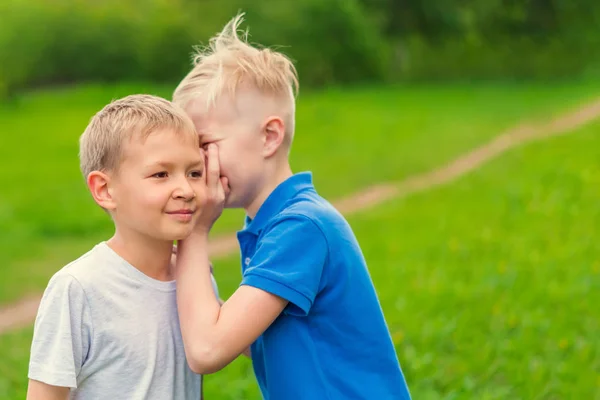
[309, 208]
[64, 297]
[295, 223]
[81, 273]
[301, 226]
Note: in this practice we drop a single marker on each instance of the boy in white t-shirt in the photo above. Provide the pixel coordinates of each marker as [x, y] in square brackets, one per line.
[107, 326]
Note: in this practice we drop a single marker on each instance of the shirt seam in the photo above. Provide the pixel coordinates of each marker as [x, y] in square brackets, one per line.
[282, 208]
[281, 284]
[89, 307]
[286, 214]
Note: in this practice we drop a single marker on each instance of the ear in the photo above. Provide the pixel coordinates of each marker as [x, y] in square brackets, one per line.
[99, 185]
[274, 133]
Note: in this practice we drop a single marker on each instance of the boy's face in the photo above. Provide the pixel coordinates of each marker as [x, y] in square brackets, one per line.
[237, 136]
[159, 186]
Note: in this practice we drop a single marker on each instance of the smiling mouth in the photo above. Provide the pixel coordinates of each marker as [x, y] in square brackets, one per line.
[181, 212]
[182, 215]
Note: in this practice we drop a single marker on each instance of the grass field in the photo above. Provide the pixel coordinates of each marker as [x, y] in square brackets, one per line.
[488, 284]
[348, 138]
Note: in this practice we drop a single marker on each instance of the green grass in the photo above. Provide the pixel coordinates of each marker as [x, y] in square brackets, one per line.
[489, 284]
[14, 363]
[348, 138]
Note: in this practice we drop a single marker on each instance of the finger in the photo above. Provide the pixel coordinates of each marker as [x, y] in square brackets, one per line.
[204, 164]
[212, 177]
[225, 185]
[205, 161]
[173, 261]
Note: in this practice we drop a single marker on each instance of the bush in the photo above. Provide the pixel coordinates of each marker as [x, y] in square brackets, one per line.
[331, 41]
[514, 58]
[485, 39]
[72, 41]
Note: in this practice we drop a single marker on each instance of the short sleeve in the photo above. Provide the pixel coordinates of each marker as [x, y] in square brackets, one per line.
[289, 261]
[62, 333]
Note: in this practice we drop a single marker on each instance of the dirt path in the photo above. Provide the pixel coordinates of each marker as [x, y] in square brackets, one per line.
[22, 313]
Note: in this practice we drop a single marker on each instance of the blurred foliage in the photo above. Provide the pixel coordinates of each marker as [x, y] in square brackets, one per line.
[518, 39]
[332, 41]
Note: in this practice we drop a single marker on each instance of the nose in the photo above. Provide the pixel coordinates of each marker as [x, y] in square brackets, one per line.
[184, 190]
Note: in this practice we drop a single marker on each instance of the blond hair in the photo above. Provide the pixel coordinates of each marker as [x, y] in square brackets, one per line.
[228, 62]
[134, 116]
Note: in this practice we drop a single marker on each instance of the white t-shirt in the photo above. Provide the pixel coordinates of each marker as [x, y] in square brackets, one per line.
[108, 331]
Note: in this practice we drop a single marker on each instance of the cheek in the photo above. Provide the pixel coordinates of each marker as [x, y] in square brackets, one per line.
[238, 164]
[145, 196]
[239, 159]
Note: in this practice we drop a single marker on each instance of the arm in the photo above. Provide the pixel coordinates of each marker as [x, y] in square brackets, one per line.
[40, 391]
[284, 275]
[60, 338]
[215, 335]
[248, 351]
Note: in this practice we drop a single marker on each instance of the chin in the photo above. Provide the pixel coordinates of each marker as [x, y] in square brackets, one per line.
[237, 201]
[171, 236]
[231, 203]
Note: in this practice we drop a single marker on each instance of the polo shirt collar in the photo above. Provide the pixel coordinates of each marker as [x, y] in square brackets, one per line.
[276, 201]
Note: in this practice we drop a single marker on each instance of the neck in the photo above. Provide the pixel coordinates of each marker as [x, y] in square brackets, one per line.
[150, 256]
[280, 176]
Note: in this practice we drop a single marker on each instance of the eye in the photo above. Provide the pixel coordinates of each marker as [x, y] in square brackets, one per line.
[162, 174]
[195, 174]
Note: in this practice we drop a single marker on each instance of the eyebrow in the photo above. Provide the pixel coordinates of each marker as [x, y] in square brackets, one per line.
[167, 165]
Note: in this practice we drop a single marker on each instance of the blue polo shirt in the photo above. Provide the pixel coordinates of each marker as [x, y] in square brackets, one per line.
[331, 341]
